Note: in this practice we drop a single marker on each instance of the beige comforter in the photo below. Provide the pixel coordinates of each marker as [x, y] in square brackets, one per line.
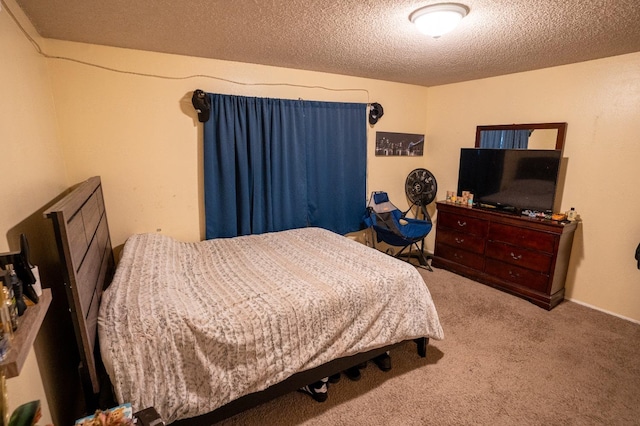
[188, 327]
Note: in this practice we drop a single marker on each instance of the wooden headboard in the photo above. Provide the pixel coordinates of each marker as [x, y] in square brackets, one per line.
[84, 246]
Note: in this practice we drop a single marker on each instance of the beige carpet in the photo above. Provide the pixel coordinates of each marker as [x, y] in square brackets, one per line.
[504, 361]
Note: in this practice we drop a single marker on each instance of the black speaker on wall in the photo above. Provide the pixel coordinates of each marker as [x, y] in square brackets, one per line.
[375, 112]
[202, 104]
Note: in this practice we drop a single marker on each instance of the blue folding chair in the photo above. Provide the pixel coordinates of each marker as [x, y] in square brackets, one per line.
[393, 227]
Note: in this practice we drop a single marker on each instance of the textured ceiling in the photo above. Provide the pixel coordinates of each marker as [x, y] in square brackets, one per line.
[354, 37]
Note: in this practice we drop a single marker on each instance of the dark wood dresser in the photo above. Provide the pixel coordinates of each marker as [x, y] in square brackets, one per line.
[527, 257]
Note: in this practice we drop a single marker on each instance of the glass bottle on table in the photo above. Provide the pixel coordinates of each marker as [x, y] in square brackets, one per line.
[10, 306]
[6, 330]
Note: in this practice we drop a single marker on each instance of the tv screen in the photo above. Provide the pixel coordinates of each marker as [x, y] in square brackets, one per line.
[510, 179]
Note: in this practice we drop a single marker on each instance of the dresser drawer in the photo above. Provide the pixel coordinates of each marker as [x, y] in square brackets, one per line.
[527, 238]
[461, 240]
[462, 257]
[534, 260]
[468, 225]
[514, 274]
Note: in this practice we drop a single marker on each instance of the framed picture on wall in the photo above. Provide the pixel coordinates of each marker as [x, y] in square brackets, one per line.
[399, 144]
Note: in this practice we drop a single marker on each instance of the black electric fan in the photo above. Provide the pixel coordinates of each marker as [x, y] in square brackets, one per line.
[421, 188]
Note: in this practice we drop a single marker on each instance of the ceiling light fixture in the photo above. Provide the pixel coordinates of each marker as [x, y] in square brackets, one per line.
[437, 19]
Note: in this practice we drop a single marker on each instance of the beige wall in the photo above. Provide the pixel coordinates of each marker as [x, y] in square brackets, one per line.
[32, 165]
[141, 133]
[33, 169]
[600, 101]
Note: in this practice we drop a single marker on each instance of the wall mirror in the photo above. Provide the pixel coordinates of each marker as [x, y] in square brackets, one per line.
[524, 136]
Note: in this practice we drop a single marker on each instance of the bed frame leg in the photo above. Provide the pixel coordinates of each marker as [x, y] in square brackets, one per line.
[422, 343]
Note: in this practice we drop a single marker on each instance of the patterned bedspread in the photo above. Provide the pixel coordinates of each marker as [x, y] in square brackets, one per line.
[189, 327]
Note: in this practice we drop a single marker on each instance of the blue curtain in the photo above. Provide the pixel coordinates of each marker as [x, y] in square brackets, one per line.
[275, 164]
[505, 139]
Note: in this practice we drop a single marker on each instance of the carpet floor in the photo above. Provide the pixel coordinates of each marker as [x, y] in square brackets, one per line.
[504, 361]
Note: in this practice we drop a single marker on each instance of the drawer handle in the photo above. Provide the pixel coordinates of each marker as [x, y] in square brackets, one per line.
[514, 274]
[457, 256]
[518, 257]
[462, 223]
[459, 240]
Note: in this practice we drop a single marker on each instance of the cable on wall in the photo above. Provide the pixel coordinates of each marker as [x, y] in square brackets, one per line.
[164, 77]
[39, 50]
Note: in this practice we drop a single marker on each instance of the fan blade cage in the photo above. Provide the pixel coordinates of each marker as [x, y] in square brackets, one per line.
[421, 187]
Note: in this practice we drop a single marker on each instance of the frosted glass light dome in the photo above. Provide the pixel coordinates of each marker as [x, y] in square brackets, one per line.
[438, 19]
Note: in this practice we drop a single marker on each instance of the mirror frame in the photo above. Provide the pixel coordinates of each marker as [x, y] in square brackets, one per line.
[560, 127]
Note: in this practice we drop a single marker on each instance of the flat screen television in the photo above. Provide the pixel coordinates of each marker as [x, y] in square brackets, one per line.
[510, 179]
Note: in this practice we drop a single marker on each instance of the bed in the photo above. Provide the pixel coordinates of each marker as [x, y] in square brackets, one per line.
[203, 330]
